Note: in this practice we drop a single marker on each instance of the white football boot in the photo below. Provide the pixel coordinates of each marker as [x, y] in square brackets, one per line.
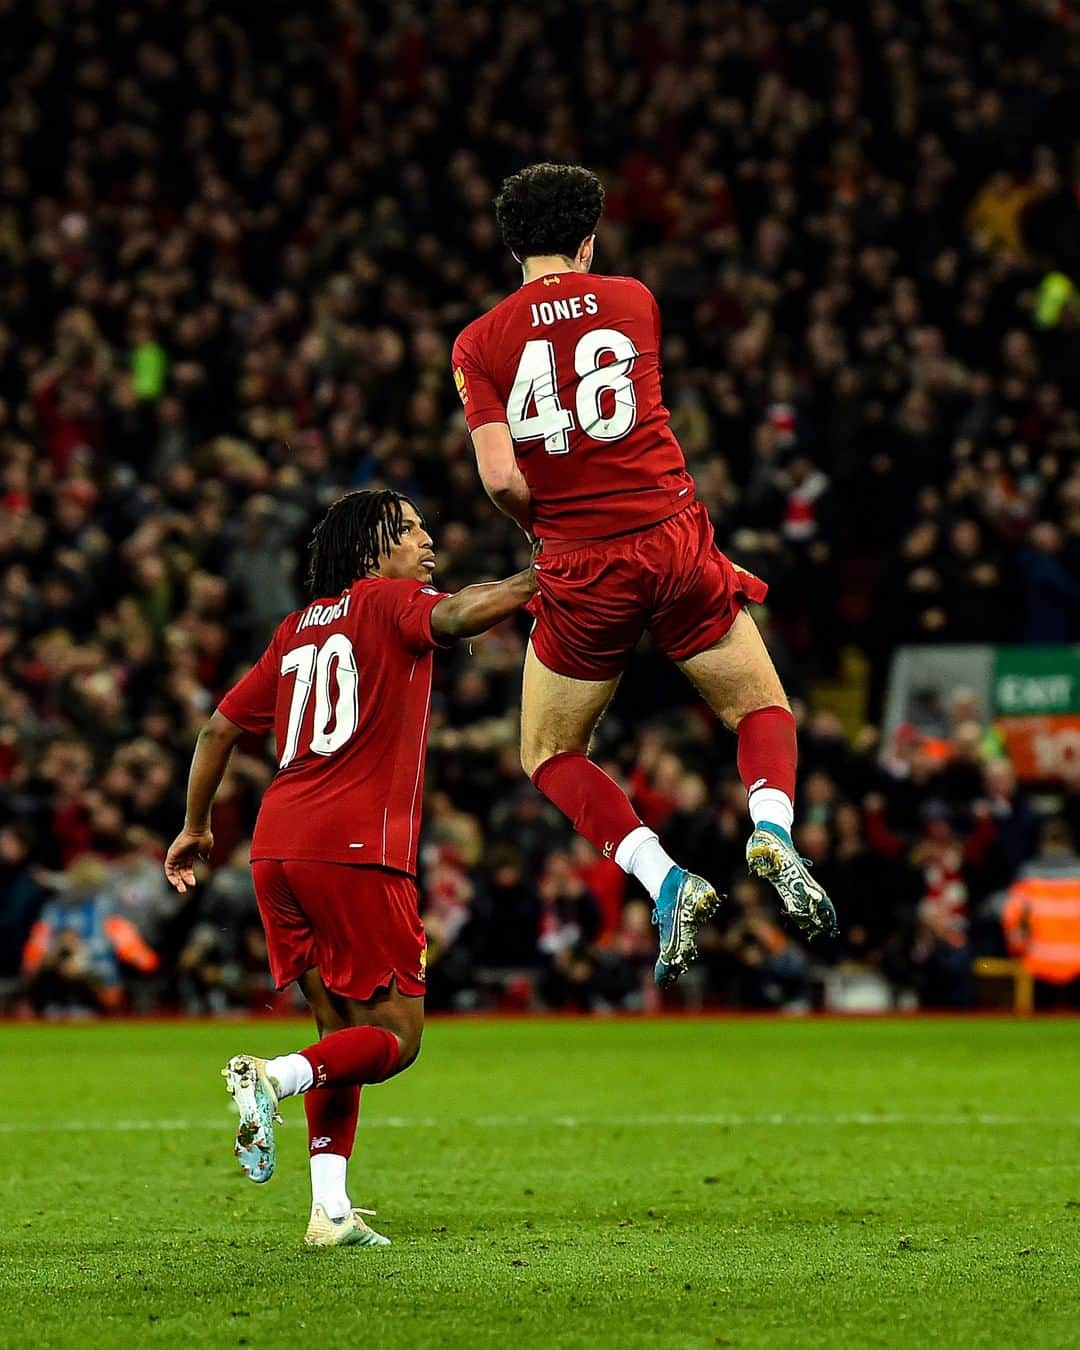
[351, 1231]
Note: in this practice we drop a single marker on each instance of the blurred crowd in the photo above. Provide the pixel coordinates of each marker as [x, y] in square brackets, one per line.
[235, 245]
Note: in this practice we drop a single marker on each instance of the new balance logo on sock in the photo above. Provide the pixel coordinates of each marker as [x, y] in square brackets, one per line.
[320, 1141]
[754, 786]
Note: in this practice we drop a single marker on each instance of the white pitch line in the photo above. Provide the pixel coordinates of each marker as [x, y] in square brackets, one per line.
[732, 1121]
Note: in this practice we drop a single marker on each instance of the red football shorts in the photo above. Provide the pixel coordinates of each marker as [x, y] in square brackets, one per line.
[595, 599]
[359, 927]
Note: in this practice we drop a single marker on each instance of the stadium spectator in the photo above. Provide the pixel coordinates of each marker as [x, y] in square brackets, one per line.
[73, 956]
[1042, 918]
[770, 967]
[505, 916]
[23, 896]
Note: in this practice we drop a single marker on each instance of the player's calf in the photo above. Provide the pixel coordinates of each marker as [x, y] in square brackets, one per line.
[601, 811]
[767, 757]
[332, 1114]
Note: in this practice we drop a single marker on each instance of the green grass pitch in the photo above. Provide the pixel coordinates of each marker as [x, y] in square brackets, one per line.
[558, 1183]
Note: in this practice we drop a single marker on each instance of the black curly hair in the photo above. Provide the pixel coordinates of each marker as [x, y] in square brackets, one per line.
[548, 209]
[346, 543]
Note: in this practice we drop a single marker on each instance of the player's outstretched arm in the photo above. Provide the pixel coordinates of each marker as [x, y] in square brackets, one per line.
[503, 481]
[208, 765]
[478, 608]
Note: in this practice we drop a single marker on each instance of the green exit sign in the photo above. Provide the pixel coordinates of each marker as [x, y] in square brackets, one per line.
[1036, 681]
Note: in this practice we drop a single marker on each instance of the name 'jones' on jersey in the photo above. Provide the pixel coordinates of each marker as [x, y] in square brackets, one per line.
[571, 364]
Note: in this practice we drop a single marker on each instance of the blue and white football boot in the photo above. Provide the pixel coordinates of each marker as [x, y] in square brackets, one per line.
[771, 855]
[684, 904]
[254, 1094]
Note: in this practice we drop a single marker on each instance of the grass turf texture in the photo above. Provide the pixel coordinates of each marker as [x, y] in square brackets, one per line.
[558, 1183]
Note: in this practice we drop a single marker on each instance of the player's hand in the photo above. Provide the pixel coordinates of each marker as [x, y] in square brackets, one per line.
[185, 851]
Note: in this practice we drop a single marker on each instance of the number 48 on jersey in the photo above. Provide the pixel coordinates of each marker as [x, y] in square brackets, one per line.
[605, 406]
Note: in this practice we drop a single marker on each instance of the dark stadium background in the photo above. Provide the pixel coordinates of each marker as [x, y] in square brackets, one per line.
[236, 242]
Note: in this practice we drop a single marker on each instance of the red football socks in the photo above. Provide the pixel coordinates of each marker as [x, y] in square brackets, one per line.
[353, 1056]
[594, 803]
[767, 756]
[332, 1114]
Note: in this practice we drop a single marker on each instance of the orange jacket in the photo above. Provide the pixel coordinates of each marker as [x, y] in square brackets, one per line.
[122, 934]
[1041, 919]
[129, 945]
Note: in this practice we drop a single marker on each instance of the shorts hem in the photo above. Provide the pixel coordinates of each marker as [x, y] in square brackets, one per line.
[580, 670]
[363, 990]
[359, 990]
[703, 641]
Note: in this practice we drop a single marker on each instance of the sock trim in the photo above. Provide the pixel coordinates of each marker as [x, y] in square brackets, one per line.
[772, 806]
[624, 853]
[649, 862]
[551, 759]
[330, 1074]
[292, 1073]
[572, 754]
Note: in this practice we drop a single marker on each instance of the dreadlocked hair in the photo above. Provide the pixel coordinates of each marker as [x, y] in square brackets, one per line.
[346, 543]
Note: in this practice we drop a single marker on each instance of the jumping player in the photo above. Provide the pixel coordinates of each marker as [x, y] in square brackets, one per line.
[346, 685]
[561, 388]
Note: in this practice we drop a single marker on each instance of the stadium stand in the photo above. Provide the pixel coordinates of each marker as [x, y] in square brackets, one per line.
[235, 242]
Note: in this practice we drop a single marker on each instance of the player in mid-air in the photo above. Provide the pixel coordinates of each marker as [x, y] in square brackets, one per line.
[346, 685]
[561, 388]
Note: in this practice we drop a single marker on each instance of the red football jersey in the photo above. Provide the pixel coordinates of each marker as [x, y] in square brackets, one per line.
[571, 363]
[346, 685]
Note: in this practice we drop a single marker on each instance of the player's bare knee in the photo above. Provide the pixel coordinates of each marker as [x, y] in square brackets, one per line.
[404, 1019]
[408, 1040]
[537, 753]
[777, 699]
[533, 756]
[531, 759]
[410, 1049]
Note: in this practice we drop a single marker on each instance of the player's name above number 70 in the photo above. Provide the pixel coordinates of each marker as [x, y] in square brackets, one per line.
[320, 614]
[573, 307]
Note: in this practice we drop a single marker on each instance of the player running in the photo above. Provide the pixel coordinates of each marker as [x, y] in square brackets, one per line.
[346, 685]
[561, 388]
